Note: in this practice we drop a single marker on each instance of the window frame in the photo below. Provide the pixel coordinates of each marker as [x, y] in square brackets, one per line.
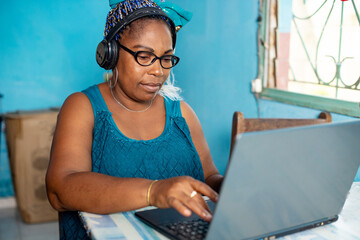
[267, 37]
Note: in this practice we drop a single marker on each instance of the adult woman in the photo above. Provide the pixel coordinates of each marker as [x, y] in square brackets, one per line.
[122, 146]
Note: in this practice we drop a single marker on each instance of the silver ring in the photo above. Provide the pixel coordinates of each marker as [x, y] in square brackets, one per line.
[193, 193]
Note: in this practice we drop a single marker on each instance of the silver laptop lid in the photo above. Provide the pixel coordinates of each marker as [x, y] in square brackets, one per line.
[285, 179]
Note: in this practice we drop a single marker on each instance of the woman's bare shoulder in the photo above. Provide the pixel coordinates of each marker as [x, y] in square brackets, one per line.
[76, 98]
[77, 106]
[187, 112]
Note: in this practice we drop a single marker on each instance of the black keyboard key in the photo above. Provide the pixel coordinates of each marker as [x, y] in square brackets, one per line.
[195, 229]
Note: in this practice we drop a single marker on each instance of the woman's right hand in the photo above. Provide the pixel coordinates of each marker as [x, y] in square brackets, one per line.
[178, 192]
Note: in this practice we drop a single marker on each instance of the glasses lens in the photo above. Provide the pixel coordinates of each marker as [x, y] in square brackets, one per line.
[144, 58]
[169, 61]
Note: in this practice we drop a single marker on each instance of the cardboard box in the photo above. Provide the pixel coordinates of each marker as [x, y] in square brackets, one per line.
[29, 137]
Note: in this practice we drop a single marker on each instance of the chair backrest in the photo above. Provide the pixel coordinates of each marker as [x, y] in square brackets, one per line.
[241, 124]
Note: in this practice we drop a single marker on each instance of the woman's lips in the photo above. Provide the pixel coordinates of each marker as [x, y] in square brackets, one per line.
[151, 87]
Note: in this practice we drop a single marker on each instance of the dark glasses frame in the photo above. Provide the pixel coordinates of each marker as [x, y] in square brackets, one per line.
[175, 60]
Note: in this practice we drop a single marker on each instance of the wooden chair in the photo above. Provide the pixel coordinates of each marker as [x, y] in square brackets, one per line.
[241, 124]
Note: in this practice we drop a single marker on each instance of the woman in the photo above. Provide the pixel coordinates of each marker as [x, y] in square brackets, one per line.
[121, 145]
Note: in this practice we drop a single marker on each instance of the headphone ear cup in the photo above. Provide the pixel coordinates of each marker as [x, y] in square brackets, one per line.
[113, 54]
[102, 53]
[107, 54]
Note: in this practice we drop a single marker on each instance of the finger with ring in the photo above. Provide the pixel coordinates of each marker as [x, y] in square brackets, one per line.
[193, 193]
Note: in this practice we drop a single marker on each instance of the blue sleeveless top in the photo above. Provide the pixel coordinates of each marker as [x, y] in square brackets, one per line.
[169, 155]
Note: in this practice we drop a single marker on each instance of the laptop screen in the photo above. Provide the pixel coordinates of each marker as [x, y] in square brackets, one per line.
[286, 179]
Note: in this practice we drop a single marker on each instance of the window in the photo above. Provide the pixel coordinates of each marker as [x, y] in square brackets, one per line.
[309, 53]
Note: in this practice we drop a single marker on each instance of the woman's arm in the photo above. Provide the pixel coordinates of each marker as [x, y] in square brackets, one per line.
[212, 176]
[70, 183]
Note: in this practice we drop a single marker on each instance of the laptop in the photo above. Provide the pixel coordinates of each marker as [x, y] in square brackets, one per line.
[277, 182]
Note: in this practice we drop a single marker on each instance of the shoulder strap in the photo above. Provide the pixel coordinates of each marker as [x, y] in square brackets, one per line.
[96, 99]
[172, 107]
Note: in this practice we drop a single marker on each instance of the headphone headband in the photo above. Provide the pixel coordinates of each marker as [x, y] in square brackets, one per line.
[139, 13]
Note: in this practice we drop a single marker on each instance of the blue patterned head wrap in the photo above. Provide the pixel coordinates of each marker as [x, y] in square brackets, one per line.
[179, 16]
[121, 8]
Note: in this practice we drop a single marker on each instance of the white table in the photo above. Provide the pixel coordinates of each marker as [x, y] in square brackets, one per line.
[126, 226]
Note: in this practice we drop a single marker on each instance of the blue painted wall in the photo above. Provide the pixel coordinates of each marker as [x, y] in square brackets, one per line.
[218, 60]
[47, 52]
[48, 49]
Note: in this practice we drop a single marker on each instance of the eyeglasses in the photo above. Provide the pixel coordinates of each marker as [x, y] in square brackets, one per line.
[145, 58]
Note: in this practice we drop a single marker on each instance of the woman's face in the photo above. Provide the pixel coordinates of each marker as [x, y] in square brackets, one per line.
[137, 82]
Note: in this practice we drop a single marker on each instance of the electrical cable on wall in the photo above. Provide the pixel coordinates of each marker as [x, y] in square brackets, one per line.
[256, 84]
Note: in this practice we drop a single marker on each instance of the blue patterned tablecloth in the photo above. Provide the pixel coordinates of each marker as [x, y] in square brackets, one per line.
[126, 226]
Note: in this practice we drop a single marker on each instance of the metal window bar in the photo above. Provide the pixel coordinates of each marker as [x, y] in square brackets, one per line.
[337, 81]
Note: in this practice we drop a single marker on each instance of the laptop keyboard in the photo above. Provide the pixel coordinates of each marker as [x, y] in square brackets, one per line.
[194, 229]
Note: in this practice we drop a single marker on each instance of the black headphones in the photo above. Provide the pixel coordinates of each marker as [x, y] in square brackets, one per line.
[108, 49]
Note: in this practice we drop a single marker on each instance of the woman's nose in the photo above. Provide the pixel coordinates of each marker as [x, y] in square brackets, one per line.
[156, 68]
